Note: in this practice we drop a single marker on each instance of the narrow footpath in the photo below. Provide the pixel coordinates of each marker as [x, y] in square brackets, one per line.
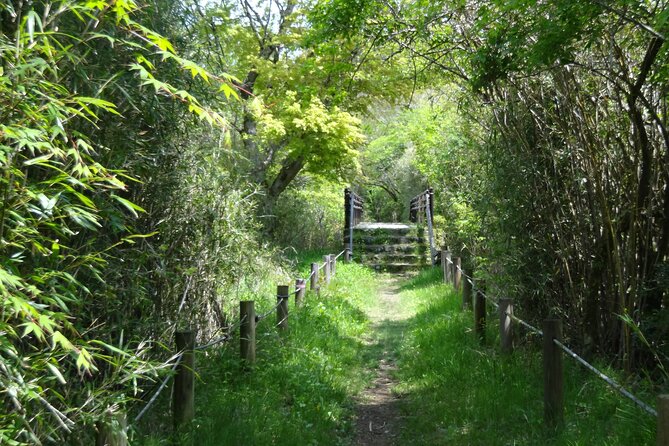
[379, 421]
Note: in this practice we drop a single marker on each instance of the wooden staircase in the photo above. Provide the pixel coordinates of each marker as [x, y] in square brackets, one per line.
[391, 247]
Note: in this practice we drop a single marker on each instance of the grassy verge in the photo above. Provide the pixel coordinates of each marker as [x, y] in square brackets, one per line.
[300, 391]
[458, 392]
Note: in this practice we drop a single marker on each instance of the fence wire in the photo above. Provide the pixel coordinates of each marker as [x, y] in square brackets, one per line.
[160, 389]
[340, 254]
[262, 316]
[611, 382]
[285, 318]
[220, 339]
[608, 380]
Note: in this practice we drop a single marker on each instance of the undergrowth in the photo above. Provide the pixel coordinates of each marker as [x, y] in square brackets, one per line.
[458, 392]
[299, 391]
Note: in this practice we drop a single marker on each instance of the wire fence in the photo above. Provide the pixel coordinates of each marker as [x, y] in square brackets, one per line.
[610, 381]
[177, 358]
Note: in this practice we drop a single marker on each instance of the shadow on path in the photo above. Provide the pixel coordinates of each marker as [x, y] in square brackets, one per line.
[378, 415]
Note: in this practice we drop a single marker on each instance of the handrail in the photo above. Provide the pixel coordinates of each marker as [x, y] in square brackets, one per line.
[418, 206]
[353, 212]
[421, 209]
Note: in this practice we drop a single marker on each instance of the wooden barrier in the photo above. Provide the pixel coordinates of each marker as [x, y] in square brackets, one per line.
[282, 296]
[314, 277]
[467, 292]
[247, 331]
[183, 393]
[111, 430]
[506, 325]
[553, 368]
[479, 315]
[300, 289]
[446, 265]
[457, 273]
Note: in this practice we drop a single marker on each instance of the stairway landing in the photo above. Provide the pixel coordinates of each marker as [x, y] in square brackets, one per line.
[391, 247]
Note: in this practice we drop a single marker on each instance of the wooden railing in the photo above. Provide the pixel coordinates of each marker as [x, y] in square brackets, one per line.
[421, 210]
[353, 211]
[421, 206]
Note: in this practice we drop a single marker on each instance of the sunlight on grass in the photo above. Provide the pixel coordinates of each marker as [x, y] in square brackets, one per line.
[458, 392]
[300, 391]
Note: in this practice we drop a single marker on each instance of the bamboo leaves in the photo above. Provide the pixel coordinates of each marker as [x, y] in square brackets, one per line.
[65, 210]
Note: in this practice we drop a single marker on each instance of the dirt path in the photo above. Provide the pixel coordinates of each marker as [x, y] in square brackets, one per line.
[378, 416]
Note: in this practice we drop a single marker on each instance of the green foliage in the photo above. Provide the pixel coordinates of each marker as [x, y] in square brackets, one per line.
[301, 386]
[455, 391]
[326, 139]
[299, 89]
[431, 144]
[65, 209]
[310, 216]
[517, 41]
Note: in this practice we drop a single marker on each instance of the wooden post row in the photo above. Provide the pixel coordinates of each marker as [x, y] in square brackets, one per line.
[282, 295]
[553, 375]
[479, 315]
[347, 256]
[314, 277]
[301, 287]
[506, 325]
[183, 396]
[247, 331]
[333, 264]
[326, 269]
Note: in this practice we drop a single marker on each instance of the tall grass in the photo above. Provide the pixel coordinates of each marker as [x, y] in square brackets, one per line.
[458, 392]
[300, 391]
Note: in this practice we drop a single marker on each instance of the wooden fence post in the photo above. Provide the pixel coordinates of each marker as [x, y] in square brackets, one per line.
[247, 331]
[326, 270]
[506, 325]
[333, 264]
[112, 429]
[663, 420]
[479, 315]
[301, 287]
[553, 377]
[347, 256]
[457, 274]
[446, 265]
[467, 293]
[282, 295]
[314, 277]
[183, 401]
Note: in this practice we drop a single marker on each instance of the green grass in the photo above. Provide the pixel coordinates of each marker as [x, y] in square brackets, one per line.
[455, 390]
[300, 391]
[458, 392]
